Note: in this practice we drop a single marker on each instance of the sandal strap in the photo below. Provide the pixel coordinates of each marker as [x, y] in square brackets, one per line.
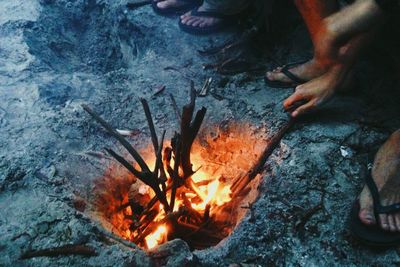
[378, 208]
[285, 70]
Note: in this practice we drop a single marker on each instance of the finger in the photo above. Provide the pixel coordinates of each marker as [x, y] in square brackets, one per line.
[297, 96]
[303, 109]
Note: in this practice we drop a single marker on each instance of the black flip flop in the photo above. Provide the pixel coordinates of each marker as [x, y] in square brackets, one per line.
[295, 81]
[373, 235]
[189, 4]
[225, 22]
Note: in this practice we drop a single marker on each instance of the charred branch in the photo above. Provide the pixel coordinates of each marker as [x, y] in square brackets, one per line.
[259, 166]
[119, 137]
[147, 112]
[175, 107]
[145, 175]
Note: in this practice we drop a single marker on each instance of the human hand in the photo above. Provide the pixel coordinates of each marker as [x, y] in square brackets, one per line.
[312, 94]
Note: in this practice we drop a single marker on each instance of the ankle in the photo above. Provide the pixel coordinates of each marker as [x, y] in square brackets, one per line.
[322, 64]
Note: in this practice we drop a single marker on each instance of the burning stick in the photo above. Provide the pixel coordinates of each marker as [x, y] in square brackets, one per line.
[259, 166]
[173, 216]
[176, 146]
[119, 137]
[147, 178]
[157, 150]
[160, 166]
[147, 223]
[189, 131]
[206, 216]
[145, 175]
[194, 214]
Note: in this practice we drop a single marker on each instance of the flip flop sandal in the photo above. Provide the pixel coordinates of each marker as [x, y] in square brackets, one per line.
[188, 5]
[295, 81]
[225, 22]
[373, 235]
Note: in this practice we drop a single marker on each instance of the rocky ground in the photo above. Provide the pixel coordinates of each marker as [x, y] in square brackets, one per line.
[58, 54]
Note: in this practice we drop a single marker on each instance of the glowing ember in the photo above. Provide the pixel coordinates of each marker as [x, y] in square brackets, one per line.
[204, 204]
[156, 237]
[215, 195]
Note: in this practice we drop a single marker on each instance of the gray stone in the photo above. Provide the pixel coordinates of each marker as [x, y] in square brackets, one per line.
[173, 254]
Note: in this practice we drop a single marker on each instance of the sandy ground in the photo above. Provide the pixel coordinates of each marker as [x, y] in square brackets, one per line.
[57, 55]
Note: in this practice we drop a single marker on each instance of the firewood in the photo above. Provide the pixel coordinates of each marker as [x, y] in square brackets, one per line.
[146, 178]
[194, 214]
[175, 107]
[170, 217]
[153, 134]
[206, 215]
[119, 137]
[145, 175]
[259, 166]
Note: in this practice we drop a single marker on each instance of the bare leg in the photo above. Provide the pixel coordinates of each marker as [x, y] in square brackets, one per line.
[313, 12]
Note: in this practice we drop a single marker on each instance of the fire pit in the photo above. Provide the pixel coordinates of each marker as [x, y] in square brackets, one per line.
[195, 189]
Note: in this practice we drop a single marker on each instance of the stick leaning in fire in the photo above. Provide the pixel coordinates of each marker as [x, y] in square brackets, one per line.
[157, 179]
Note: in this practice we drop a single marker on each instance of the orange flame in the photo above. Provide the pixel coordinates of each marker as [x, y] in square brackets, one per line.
[157, 237]
[221, 153]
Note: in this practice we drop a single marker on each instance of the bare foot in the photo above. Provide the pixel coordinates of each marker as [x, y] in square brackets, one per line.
[169, 3]
[386, 174]
[199, 21]
[307, 71]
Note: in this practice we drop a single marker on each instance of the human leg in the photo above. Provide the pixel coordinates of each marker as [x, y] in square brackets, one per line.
[313, 12]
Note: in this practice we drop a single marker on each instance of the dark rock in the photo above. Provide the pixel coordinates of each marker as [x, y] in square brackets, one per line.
[174, 253]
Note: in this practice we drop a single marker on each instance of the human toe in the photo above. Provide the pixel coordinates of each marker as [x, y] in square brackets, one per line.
[367, 216]
[384, 222]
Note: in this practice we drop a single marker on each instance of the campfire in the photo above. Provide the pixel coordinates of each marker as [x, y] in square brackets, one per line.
[183, 190]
